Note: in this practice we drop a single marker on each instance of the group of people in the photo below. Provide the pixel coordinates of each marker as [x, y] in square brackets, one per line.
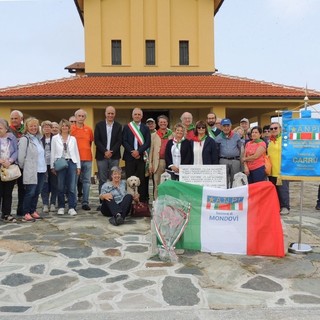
[148, 151]
[35, 147]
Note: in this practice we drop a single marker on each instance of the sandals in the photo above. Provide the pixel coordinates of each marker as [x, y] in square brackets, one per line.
[10, 219]
[28, 218]
[36, 215]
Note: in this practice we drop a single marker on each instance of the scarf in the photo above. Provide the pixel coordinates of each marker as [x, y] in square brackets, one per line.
[191, 127]
[274, 138]
[196, 139]
[164, 135]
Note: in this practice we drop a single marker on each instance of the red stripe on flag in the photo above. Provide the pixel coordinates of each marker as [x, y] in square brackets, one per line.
[306, 136]
[264, 228]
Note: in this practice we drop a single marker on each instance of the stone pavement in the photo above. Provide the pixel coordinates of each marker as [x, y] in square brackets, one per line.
[81, 266]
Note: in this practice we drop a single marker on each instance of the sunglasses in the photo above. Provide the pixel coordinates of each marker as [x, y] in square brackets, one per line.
[201, 127]
[274, 128]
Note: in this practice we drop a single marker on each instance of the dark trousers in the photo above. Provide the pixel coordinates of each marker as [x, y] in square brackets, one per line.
[282, 191]
[318, 201]
[21, 193]
[137, 168]
[111, 208]
[6, 188]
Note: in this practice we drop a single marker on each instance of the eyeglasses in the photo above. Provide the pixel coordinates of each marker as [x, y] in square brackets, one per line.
[201, 127]
[274, 128]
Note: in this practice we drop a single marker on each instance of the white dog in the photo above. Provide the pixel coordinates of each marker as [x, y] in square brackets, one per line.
[239, 180]
[133, 183]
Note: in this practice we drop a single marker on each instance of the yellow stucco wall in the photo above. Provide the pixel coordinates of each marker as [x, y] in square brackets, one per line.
[135, 21]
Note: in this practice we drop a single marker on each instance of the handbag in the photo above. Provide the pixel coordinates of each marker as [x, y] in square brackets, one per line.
[11, 173]
[140, 209]
[267, 164]
[60, 164]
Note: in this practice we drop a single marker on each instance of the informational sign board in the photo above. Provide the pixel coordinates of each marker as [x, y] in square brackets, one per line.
[214, 176]
[300, 154]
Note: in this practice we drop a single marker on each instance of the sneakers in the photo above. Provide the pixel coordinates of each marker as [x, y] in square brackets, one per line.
[36, 215]
[45, 209]
[86, 207]
[119, 219]
[52, 208]
[72, 212]
[318, 207]
[284, 211]
[113, 221]
[98, 208]
[60, 211]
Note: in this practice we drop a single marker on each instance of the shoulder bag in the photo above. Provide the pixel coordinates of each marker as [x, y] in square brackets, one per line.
[61, 163]
[11, 173]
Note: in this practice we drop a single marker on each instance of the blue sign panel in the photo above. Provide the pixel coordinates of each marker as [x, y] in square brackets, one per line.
[300, 157]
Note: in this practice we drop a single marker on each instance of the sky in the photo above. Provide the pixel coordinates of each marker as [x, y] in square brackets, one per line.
[270, 40]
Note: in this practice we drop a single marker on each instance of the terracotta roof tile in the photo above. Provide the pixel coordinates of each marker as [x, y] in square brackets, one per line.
[157, 86]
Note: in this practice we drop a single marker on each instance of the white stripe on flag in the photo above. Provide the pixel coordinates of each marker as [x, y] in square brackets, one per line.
[224, 230]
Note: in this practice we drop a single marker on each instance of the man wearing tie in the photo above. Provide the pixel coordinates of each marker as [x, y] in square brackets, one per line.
[136, 140]
[107, 138]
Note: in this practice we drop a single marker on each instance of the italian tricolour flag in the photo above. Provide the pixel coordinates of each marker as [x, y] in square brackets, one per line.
[243, 220]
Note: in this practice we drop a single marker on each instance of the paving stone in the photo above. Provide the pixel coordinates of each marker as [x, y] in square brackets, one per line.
[232, 299]
[22, 237]
[2, 253]
[76, 253]
[309, 285]
[57, 272]
[30, 257]
[179, 292]
[91, 273]
[124, 265]
[14, 309]
[138, 284]
[288, 268]
[137, 301]
[117, 278]
[305, 299]
[50, 287]
[99, 243]
[72, 243]
[151, 273]
[158, 264]
[79, 306]
[109, 295]
[16, 279]
[130, 238]
[189, 270]
[260, 283]
[74, 264]
[281, 302]
[99, 261]
[112, 252]
[66, 299]
[38, 269]
[112, 243]
[136, 249]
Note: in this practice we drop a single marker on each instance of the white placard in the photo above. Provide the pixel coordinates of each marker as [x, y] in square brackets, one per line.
[214, 176]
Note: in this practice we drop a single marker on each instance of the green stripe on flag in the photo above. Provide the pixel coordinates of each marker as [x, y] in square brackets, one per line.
[193, 194]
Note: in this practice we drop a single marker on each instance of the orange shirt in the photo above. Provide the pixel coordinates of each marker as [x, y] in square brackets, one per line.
[84, 137]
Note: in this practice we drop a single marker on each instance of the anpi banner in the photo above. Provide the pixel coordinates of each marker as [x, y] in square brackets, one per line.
[300, 157]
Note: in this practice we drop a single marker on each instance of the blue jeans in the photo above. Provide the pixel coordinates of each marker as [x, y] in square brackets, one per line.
[31, 195]
[85, 177]
[49, 187]
[67, 182]
[104, 170]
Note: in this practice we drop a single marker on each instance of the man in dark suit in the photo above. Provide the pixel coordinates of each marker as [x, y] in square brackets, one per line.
[107, 138]
[136, 140]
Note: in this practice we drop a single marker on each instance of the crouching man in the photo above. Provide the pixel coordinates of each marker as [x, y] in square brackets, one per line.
[116, 202]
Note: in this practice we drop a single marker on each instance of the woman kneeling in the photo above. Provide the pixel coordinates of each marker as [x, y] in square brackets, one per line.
[116, 202]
